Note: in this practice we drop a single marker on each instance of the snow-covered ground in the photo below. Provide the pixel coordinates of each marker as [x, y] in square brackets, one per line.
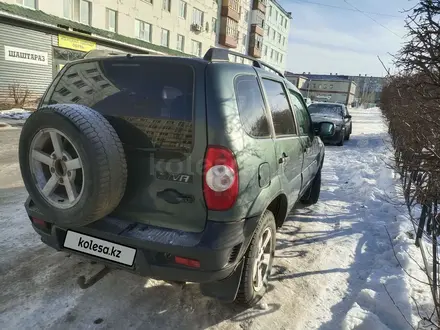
[334, 267]
[14, 114]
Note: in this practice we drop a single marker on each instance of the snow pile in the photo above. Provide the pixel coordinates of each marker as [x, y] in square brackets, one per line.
[385, 300]
[15, 113]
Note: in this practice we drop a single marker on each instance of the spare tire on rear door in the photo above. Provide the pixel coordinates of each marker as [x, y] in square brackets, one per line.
[72, 164]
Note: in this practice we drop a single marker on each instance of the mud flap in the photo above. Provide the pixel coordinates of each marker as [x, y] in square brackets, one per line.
[225, 290]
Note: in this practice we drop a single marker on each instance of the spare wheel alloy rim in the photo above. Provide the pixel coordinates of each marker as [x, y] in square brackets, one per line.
[263, 260]
[57, 168]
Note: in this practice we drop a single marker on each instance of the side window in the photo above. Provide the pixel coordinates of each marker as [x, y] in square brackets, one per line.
[301, 114]
[251, 106]
[282, 116]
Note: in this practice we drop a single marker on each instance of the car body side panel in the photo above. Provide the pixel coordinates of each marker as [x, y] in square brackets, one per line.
[224, 128]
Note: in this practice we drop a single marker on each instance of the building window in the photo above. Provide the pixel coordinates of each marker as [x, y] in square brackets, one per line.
[265, 50]
[165, 38]
[232, 28]
[77, 10]
[268, 31]
[270, 11]
[281, 58]
[64, 91]
[214, 25]
[196, 48]
[279, 37]
[143, 30]
[166, 5]
[246, 16]
[98, 78]
[197, 17]
[273, 34]
[79, 83]
[180, 42]
[284, 41]
[244, 40]
[276, 16]
[182, 9]
[148, 1]
[111, 20]
[235, 4]
[28, 3]
[271, 54]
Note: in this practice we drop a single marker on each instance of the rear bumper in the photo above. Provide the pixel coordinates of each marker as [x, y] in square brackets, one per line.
[218, 248]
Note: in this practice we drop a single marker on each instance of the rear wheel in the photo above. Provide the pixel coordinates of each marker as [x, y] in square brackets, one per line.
[258, 262]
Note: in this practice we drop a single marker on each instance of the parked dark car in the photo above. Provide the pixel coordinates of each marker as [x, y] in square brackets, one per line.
[337, 114]
[179, 169]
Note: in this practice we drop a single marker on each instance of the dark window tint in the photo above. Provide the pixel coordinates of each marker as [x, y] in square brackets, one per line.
[279, 106]
[149, 103]
[302, 115]
[251, 106]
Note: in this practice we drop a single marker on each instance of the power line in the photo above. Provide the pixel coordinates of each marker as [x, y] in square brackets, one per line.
[343, 8]
[365, 13]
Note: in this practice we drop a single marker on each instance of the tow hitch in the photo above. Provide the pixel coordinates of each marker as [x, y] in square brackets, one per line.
[92, 280]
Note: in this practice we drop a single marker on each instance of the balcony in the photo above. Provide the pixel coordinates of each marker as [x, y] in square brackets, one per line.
[255, 45]
[259, 5]
[231, 9]
[228, 40]
[255, 28]
[254, 52]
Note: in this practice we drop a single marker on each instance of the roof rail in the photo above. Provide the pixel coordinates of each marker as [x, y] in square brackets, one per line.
[215, 54]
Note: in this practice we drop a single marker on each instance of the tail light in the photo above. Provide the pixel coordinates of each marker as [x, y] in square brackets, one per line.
[220, 178]
[38, 222]
[187, 262]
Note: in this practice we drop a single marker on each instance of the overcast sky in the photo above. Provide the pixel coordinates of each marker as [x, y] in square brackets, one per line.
[330, 40]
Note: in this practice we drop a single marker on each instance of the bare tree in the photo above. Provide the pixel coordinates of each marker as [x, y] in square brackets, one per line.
[19, 94]
[411, 105]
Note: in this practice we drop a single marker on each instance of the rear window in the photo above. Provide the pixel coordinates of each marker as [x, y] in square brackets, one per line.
[139, 96]
[326, 109]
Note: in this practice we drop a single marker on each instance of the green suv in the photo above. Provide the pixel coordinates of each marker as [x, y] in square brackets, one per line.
[178, 169]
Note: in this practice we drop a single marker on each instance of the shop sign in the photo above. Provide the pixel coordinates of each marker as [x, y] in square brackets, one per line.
[75, 43]
[22, 55]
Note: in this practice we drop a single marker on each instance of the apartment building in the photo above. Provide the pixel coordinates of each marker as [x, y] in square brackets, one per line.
[38, 37]
[276, 38]
[258, 28]
[325, 88]
[368, 88]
